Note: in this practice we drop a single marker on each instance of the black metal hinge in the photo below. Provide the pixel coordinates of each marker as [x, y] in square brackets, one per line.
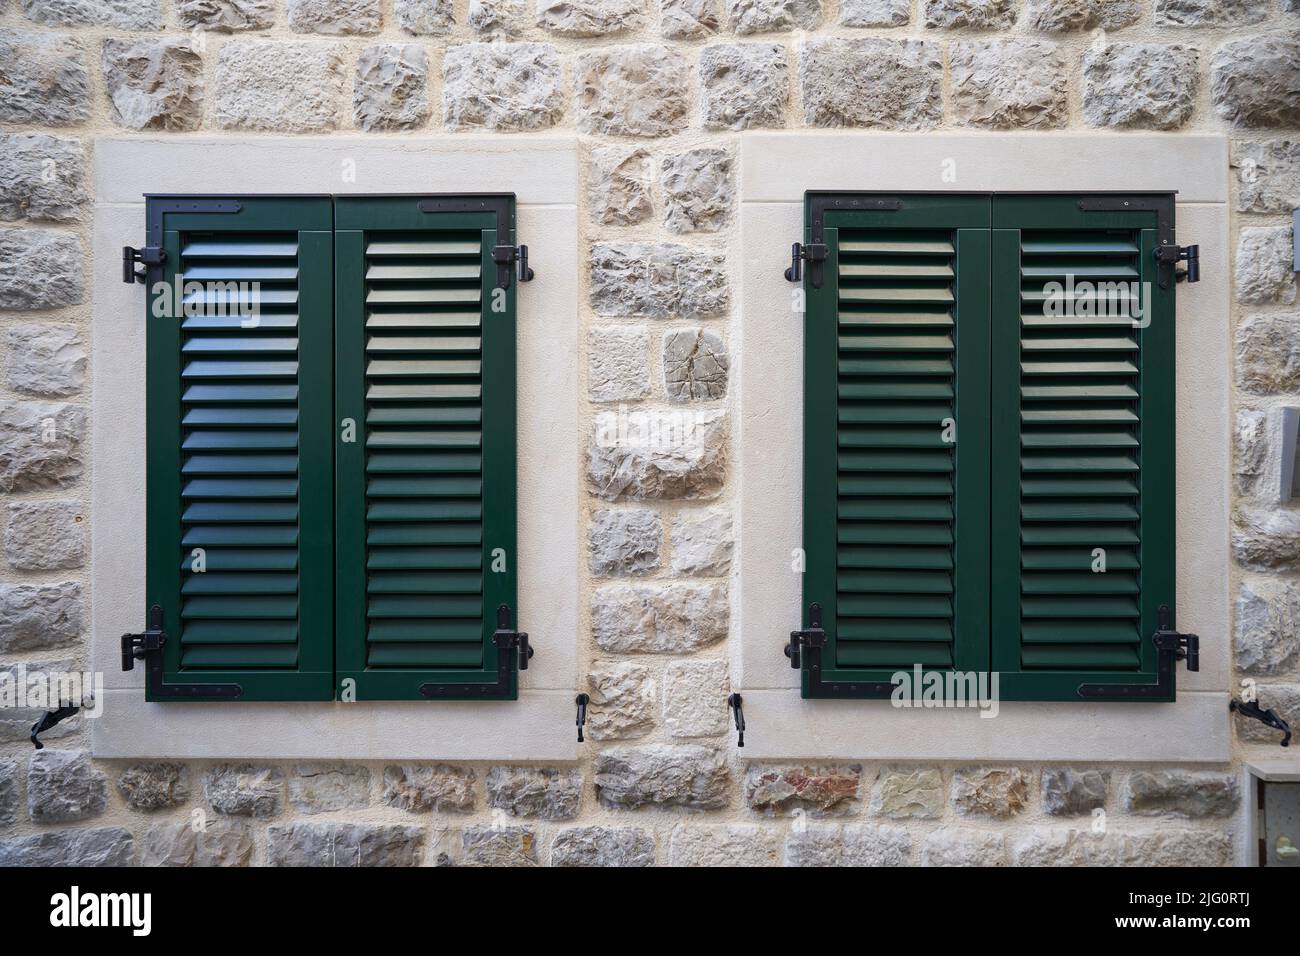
[152, 255]
[506, 638]
[805, 651]
[1171, 646]
[1168, 253]
[1169, 256]
[146, 255]
[813, 638]
[815, 255]
[513, 651]
[505, 257]
[147, 646]
[819, 204]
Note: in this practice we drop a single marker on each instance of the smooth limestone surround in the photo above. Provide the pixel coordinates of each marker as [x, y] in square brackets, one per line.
[660, 101]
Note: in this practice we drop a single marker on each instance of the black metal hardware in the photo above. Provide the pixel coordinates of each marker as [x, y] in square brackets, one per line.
[148, 646]
[582, 700]
[512, 648]
[1248, 708]
[736, 703]
[505, 254]
[1171, 646]
[814, 254]
[146, 256]
[506, 638]
[1168, 252]
[149, 641]
[1172, 255]
[505, 257]
[813, 638]
[48, 720]
[805, 651]
[151, 255]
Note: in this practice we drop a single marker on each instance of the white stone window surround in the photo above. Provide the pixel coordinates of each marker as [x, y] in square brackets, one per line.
[775, 170]
[543, 172]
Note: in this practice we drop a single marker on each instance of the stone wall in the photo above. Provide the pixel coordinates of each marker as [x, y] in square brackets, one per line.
[658, 92]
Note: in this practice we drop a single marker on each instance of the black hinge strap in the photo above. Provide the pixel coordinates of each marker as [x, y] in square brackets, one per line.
[813, 638]
[1171, 646]
[1168, 253]
[805, 651]
[152, 255]
[148, 646]
[513, 651]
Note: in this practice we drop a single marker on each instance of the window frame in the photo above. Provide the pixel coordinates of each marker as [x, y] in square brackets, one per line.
[780, 724]
[543, 173]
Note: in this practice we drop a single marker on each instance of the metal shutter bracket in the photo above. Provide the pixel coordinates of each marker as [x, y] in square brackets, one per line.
[1168, 252]
[814, 253]
[151, 255]
[148, 646]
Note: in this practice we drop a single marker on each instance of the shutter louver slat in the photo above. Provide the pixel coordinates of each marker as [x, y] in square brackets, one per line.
[1079, 459]
[895, 491]
[424, 586]
[242, 411]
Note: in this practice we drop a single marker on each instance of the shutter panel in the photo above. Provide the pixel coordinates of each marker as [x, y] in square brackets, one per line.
[895, 515]
[426, 493]
[1083, 452]
[238, 430]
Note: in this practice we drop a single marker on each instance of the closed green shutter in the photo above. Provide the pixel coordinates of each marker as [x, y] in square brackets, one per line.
[1036, 539]
[1083, 448]
[240, 528]
[426, 489]
[895, 508]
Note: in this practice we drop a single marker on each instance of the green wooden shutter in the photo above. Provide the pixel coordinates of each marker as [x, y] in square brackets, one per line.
[1082, 452]
[426, 493]
[895, 516]
[238, 433]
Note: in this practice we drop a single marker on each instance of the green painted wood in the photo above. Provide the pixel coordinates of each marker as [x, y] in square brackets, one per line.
[426, 494]
[895, 516]
[231, 436]
[1083, 444]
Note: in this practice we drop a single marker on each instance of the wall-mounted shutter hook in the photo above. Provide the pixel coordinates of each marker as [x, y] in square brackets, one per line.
[735, 702]
[581, 700]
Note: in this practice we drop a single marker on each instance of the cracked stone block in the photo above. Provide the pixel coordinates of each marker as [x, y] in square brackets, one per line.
[696, 364]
